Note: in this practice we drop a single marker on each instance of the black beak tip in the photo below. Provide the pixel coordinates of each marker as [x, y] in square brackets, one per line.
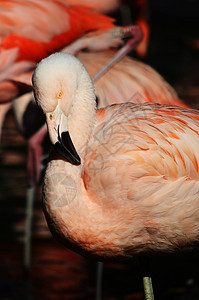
[66, 149]
[71, 158]
[77, 161]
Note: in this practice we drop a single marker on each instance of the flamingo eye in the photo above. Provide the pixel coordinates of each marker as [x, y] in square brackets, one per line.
[59, 95]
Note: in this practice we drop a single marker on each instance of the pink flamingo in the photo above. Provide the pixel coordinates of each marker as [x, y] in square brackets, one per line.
[123, 180]
[32, 30]
[143, 82]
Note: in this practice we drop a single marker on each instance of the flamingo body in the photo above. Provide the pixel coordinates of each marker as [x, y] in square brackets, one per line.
[127, 178]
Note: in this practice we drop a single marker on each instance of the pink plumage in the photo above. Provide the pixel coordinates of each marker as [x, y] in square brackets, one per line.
[128, 80]
[125, 180]
[31, 30]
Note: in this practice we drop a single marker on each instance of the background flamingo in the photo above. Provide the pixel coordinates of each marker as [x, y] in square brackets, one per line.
[27, 35]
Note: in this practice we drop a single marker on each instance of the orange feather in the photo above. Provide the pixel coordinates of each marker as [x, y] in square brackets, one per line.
[36, 31]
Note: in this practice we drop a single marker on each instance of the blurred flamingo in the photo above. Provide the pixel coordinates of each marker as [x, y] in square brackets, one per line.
[32, 30]
[123, 180]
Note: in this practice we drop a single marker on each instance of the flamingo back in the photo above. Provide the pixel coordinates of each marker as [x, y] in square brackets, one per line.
[129, 81]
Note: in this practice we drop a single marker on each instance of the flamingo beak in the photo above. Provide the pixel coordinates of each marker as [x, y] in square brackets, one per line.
[59, 135]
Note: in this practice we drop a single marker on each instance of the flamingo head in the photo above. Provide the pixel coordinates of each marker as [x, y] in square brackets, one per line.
[64, 90]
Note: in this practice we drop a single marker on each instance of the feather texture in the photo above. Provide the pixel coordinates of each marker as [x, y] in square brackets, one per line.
[31, 30]
[37, 29]
[137, 186]
[129, 80]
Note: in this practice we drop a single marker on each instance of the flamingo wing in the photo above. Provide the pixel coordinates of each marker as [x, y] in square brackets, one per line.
[143, 162]
[150, 143]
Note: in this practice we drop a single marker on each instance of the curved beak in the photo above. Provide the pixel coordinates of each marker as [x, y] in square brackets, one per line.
[59, 135]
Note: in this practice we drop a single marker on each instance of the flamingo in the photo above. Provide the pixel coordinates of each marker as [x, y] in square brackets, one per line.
[32, 30]
[123, 180]
[143, 82]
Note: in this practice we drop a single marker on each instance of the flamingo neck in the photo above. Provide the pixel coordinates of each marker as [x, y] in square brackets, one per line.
[81, 124]
[71, 215]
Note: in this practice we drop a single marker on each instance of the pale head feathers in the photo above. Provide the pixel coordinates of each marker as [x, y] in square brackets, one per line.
[60, 76]
[61, 79]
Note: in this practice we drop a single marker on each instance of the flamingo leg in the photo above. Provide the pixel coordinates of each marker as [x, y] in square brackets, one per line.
[148, 288]
[33, 167]
[128, 47]
[147, 281]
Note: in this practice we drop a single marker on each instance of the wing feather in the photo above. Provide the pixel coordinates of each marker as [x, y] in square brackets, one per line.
[132, 150]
